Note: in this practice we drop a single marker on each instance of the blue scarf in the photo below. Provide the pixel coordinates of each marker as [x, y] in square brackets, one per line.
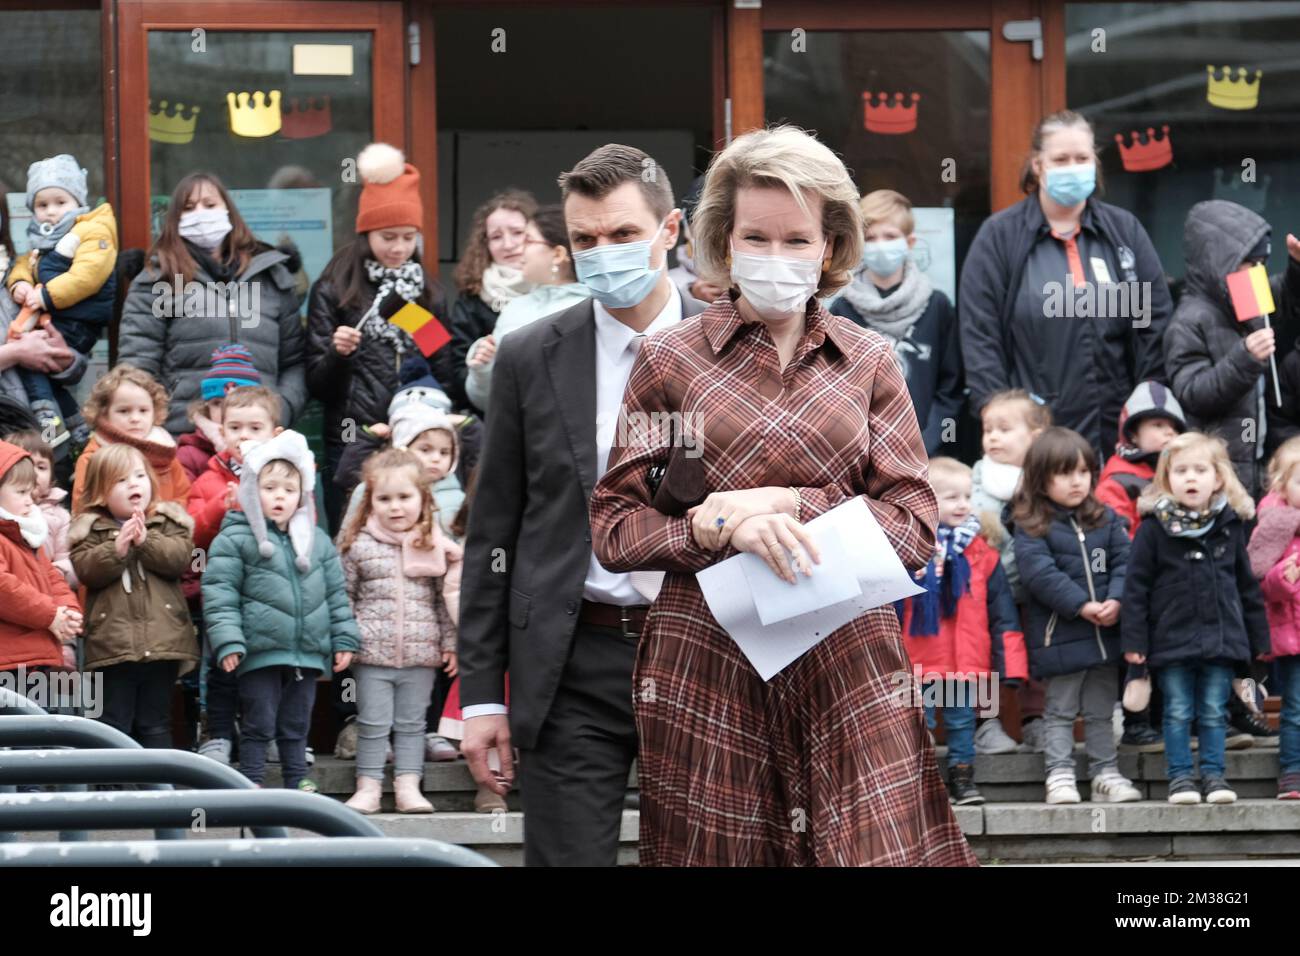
[942, 592]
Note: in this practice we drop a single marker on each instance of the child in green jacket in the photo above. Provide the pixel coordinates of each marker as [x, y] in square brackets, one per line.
[276, 605]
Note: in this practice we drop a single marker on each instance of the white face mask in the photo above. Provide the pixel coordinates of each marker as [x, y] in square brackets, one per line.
[776, 286]
[205, 227]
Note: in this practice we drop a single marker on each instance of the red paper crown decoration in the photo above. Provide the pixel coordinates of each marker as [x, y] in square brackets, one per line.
[1143, 157]
[893, 119]
[304, 119]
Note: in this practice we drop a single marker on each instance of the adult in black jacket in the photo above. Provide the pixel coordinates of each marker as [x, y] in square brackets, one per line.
[894, 298]
[1036, 267]
[354, 354]
[488, 276]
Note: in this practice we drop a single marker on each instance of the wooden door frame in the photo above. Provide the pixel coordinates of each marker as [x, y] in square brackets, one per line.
[1021, 88]
[137, 17]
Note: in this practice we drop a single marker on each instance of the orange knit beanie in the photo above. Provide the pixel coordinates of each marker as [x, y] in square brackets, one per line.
[391, 194]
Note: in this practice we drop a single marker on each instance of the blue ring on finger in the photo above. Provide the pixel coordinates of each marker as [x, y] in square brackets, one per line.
[720, 522]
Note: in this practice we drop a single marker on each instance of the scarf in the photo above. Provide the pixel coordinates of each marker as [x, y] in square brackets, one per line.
[501, 285]
[997, 479]
[407, 282]
[39, 239]
[218, 270]
[417, 562]
[1278, 526]
[1180, 522]
[34, 528]
[158, 448]
[947, 578]
[891, 315]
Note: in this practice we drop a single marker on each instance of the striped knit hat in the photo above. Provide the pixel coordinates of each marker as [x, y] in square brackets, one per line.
[232, 366]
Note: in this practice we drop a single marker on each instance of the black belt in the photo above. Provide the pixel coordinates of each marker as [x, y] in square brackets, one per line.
[630, 620]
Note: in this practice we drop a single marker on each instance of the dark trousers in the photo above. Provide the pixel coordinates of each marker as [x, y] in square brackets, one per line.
[573, 782]
[222, 699]
[137, 700]
[276, 705]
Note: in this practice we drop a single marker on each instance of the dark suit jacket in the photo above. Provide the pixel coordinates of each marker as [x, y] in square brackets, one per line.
[528, 546]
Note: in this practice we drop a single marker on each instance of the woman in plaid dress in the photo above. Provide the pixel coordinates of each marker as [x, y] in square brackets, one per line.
[791, 411]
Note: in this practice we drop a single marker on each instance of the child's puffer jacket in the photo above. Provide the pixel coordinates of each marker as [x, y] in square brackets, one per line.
[264, 609]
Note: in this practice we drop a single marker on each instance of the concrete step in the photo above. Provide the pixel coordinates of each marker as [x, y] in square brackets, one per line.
[499, 835]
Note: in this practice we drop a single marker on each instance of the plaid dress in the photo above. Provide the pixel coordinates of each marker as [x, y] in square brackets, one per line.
[827, 763]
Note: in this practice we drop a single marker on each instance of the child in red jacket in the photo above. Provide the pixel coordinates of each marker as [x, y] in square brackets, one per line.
[39, 614]
[1150, 420]
[963, 634]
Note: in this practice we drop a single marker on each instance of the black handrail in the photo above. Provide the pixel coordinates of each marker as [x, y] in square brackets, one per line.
[302, 851]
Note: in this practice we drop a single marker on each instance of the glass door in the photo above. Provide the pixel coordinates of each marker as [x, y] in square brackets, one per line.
[276, 109]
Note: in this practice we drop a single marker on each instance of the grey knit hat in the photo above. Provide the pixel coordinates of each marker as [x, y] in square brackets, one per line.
[62, 171]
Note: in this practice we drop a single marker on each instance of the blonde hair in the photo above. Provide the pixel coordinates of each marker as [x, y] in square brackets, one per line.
[1283, 463]
[21, 473]
[1159, 488]
[1037, 415]
[253, 396]
[886, 205]
[781, 157]
[379, 464]
[107, 467]
[101, 395]
[941, 466]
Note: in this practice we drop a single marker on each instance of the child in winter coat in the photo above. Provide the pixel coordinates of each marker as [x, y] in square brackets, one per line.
[1010, 421]
[249, 414]
[1274, 551]
[68, 279]
[130, 549]
[128, 406]
[433, 437]
[39, 615]
[50, 500]
[1073, 555]
[232, 367]
[1149, 420]
[965, 626]
[893, 297]
[1192, 606]
[403, 579]
[276, 605]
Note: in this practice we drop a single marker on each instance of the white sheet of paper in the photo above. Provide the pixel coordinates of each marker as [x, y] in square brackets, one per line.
[832, 580]
[879, 573]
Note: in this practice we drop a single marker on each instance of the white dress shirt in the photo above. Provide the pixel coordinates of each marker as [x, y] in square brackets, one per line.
[616, 348]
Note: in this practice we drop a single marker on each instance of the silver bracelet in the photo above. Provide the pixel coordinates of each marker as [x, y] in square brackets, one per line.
[798, 503]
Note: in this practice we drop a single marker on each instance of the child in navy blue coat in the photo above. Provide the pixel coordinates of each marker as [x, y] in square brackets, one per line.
[1072, 552]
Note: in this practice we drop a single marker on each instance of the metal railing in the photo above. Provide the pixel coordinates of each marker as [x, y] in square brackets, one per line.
[305, 851]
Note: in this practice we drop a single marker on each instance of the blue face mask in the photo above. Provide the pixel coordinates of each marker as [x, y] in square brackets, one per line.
[1071, 185]
[618, 275]
[884, 257]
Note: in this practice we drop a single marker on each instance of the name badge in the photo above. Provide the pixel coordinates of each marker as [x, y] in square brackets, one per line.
[1100, 272]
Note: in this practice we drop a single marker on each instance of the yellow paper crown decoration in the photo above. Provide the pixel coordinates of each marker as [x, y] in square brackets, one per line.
[171, 125]
[254, 114]
[1230, 94]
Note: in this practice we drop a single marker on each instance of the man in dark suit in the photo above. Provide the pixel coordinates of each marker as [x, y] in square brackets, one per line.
[534, 600]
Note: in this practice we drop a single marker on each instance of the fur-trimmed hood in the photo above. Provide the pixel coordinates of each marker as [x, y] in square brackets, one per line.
[89, 521]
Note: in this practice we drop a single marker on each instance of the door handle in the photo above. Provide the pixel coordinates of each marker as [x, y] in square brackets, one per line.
[1019, 31]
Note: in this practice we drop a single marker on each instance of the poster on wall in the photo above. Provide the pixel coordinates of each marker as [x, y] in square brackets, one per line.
[301, 216]
[19, 217]
[935, 251]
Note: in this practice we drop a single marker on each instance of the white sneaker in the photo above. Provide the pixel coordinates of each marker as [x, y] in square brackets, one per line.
[1111, 786]
[1032, 733]
[991, 738]
[439, 749]
[311, 757]
[1061, 787]
[216, 748]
